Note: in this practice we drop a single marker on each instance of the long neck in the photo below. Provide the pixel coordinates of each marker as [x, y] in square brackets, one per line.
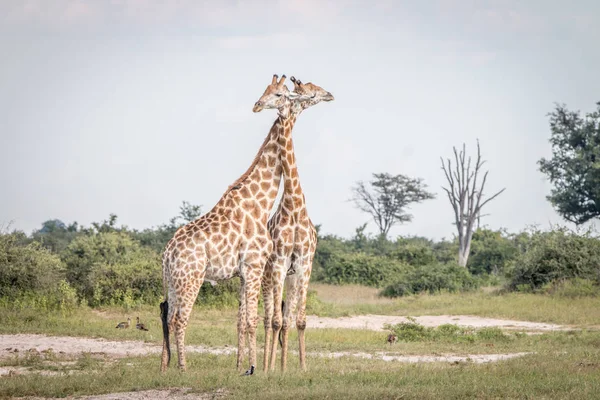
[292, 192]
[262, 178]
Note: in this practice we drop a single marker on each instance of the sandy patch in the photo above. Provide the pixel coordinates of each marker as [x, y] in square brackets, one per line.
[176, 394]
[451, 358]
[376, 322]
[76, 345]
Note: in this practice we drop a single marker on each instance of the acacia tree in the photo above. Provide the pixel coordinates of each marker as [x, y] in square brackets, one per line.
[387, 197]
[574, 168]
[465, 196]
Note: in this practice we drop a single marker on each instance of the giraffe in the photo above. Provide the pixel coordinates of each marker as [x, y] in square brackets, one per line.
[295, 240]
[230, 240]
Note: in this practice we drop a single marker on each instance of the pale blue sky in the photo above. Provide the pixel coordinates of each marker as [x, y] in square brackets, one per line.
[131, 106]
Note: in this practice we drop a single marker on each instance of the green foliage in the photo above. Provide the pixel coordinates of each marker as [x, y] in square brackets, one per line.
[491, 252]
[554, 256]
[574, 168]
[113, 268]
[225, 294]
[55, 235]
[27, 268]
[412, 331]
[431, 278]
[413, 251]
[362, 269]
[573, 288]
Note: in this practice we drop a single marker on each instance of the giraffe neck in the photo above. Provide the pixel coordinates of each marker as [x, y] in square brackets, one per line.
[293, 197]
[266, 169]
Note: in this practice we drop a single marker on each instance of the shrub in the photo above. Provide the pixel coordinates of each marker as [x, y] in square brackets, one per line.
[573, 288]
[27, 268]
[412, 331]
[491, 252]
[431, 278]
[112, 268]
[556, 256]
[224, 294]
[362, 269]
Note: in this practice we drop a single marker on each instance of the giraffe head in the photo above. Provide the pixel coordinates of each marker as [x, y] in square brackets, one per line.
[315, 93]
[309, 94]
[278, 96]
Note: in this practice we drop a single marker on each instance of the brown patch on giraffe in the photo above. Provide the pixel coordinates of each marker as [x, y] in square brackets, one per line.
[266, 175]
[248, 226]
[265, 186]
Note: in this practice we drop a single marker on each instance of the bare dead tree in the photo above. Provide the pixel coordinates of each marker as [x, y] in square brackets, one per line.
[466, 197]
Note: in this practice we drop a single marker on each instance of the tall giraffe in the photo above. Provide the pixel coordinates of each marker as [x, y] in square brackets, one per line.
[230, 240]
[295, 242]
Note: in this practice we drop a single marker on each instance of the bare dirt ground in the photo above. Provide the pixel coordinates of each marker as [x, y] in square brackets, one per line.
[376, 322]
[176, 394]
[20, 343]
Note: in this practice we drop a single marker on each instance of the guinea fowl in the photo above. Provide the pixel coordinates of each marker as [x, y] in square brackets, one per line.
[139, 326]
[392, 338]
[124, 325]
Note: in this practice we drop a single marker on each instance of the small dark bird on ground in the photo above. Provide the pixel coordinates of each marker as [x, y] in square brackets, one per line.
[392, 339]
[250, 371]
[124, 325]
[139, 326]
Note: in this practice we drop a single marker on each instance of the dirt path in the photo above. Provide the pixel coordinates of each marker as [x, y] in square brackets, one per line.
[376, 322]
[175, 394]
[22, 343]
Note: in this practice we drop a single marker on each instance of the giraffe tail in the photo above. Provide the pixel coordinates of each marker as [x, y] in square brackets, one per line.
[164, 312]
[282, 307]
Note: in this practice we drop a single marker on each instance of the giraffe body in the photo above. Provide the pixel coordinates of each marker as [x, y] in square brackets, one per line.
[295, 242]
[230, 240]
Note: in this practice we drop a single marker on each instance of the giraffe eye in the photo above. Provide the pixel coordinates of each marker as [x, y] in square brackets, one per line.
[278, 94]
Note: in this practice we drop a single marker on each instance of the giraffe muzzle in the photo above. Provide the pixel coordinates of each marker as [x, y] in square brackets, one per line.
[258, 106]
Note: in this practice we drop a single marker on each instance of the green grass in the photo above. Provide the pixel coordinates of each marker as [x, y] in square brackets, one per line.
[551, 375]
[564, 364]
[356, 300]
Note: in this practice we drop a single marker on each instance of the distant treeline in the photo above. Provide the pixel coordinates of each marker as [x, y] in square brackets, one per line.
[61, 266]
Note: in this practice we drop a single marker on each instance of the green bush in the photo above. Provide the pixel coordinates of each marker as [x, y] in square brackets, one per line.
[412, 331]
[362, 269]
[554, 256]
[573, 288]
[413, 251]
[223, 295]
[491, 252]
[27, 268]
[112, 268]
[432, 279]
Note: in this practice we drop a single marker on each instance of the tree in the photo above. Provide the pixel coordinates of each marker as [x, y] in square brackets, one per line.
[574, 168]
[388, 198]
[466, 197]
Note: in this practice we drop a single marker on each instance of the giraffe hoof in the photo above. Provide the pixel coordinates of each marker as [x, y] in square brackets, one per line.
[250, 371]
